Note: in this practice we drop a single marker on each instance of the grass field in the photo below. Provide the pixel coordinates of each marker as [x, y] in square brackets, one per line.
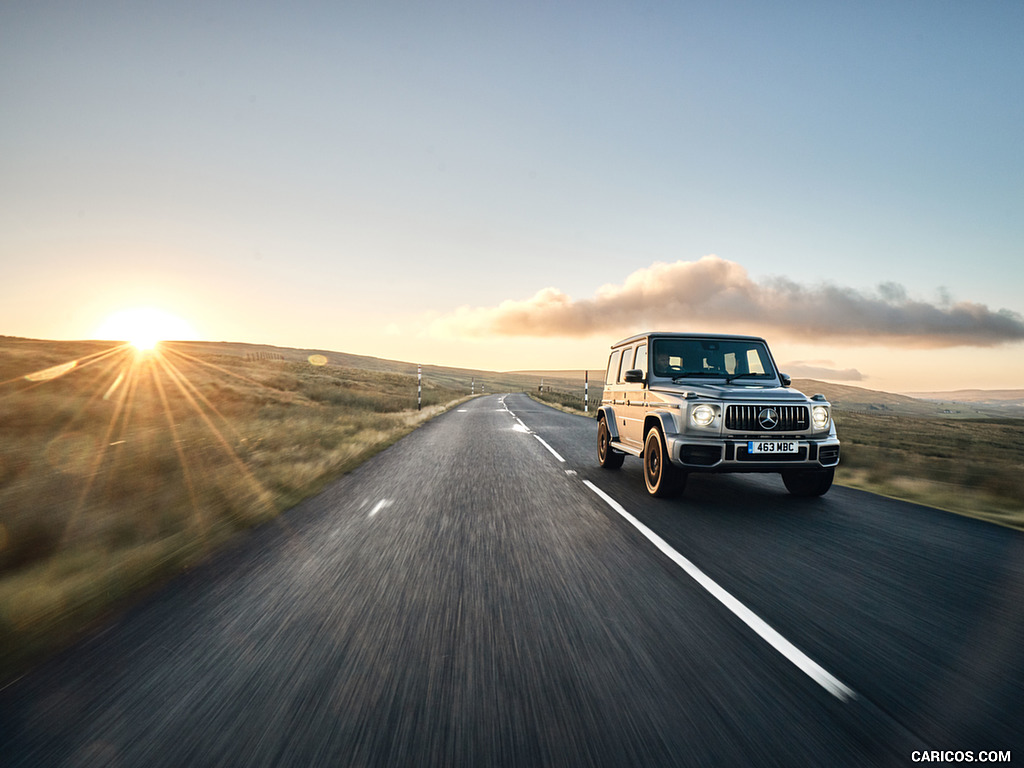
[119, 468]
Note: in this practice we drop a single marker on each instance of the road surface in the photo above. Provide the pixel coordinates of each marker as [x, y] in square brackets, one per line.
[483, 594]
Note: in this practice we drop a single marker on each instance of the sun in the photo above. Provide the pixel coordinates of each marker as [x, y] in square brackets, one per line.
[144, 327]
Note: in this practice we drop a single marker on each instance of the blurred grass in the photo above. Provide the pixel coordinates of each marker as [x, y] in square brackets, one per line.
[973, 467]
[125, 468]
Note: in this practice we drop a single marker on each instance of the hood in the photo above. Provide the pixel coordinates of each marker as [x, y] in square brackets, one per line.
[734, 392]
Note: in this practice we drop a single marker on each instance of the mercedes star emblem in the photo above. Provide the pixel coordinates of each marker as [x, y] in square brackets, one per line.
[768, 418]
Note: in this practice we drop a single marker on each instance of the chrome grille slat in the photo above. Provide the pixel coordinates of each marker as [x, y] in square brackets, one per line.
[743, 418]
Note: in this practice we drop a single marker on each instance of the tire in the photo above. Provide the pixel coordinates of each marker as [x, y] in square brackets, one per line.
[608, 457]
[808, 482]
[662, 478]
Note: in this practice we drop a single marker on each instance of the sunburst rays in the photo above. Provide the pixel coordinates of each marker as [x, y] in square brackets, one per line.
[124, 411]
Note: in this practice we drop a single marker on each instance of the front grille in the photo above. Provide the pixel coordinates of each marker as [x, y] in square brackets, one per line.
[747, 418]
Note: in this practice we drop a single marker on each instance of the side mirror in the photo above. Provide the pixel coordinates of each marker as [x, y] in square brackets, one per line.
[786, 380]
[634, 376]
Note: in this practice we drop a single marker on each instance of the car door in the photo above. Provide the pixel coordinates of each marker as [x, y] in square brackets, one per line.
[634, 396]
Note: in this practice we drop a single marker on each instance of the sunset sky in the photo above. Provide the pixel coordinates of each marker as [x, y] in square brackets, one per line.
[517, 185]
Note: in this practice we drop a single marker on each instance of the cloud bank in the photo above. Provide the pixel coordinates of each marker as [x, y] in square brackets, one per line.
[714, 294]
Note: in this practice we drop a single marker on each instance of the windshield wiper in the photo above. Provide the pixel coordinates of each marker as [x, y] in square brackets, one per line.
[730, 379]
[688, 374]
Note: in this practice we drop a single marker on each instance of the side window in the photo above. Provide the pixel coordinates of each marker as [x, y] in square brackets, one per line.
[627, 358]
[613, 367]
[641, 358]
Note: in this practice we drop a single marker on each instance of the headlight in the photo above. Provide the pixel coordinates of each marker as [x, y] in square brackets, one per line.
[702, 415]
[820, 417]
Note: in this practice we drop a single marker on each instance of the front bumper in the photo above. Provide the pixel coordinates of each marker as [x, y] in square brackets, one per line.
[696, 454]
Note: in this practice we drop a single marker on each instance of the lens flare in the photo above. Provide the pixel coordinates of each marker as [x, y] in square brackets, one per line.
[145, 327]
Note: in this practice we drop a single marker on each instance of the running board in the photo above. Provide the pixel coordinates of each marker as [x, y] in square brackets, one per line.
[626, 449]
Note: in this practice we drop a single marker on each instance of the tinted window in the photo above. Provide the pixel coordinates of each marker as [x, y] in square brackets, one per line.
[627, 359]
[613, 367]
[641, 358]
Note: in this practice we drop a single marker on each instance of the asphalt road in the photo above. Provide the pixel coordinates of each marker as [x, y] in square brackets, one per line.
[482, 594]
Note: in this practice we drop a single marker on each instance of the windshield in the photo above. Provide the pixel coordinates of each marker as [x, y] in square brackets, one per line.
[723, 358]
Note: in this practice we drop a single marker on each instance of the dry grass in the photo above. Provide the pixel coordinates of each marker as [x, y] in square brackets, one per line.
[972, 467]
[125, 468]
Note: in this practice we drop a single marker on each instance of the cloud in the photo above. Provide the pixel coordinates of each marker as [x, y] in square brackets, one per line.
[821, 369]
[714, 294]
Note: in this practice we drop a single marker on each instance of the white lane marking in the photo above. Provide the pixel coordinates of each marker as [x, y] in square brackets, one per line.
[553, 451]
[382, 504]
[461, 410]
[520, 426]
[806, 665]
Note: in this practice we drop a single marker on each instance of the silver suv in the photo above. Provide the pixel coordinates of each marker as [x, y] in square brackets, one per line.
[711, 403]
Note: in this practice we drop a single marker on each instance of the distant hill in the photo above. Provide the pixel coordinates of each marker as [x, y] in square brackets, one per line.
[843, 396]
[974, 396]
[470, 378]
[851, 398]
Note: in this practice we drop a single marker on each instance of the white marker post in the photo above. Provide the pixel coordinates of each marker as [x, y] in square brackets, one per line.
[419, 387]
[586, 391]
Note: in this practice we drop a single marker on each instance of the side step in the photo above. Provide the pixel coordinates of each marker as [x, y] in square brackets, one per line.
[626, 448]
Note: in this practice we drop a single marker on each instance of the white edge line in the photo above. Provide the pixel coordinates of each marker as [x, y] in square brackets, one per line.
[806, 665]
[553, 451]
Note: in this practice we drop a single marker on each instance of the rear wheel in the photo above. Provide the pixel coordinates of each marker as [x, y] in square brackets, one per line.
[808, 482]
[661, 476]
[606, 455]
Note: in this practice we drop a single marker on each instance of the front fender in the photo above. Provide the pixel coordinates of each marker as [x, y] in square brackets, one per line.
[662, 418]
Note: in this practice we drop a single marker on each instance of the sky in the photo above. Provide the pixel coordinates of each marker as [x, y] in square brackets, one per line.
[514, 186]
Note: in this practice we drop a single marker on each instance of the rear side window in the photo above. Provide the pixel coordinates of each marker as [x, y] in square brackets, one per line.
[627, 358]
[613, 367]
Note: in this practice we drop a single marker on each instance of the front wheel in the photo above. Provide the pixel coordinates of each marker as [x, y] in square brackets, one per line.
[661, 476]
[808, 482]
[606, 455]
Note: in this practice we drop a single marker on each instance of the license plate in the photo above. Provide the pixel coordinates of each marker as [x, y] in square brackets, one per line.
[773, 446]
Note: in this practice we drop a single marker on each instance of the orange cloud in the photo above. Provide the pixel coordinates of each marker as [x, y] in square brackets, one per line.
[714, 294]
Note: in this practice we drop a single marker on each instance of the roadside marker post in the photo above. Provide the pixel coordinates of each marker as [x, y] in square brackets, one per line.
[586, 391]
[419, 386]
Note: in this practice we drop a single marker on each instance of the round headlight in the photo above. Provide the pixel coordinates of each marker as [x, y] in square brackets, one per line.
[820, 416]
[702, 415]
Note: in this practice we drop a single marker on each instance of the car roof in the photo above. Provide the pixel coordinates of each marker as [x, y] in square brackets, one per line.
[677, 335]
